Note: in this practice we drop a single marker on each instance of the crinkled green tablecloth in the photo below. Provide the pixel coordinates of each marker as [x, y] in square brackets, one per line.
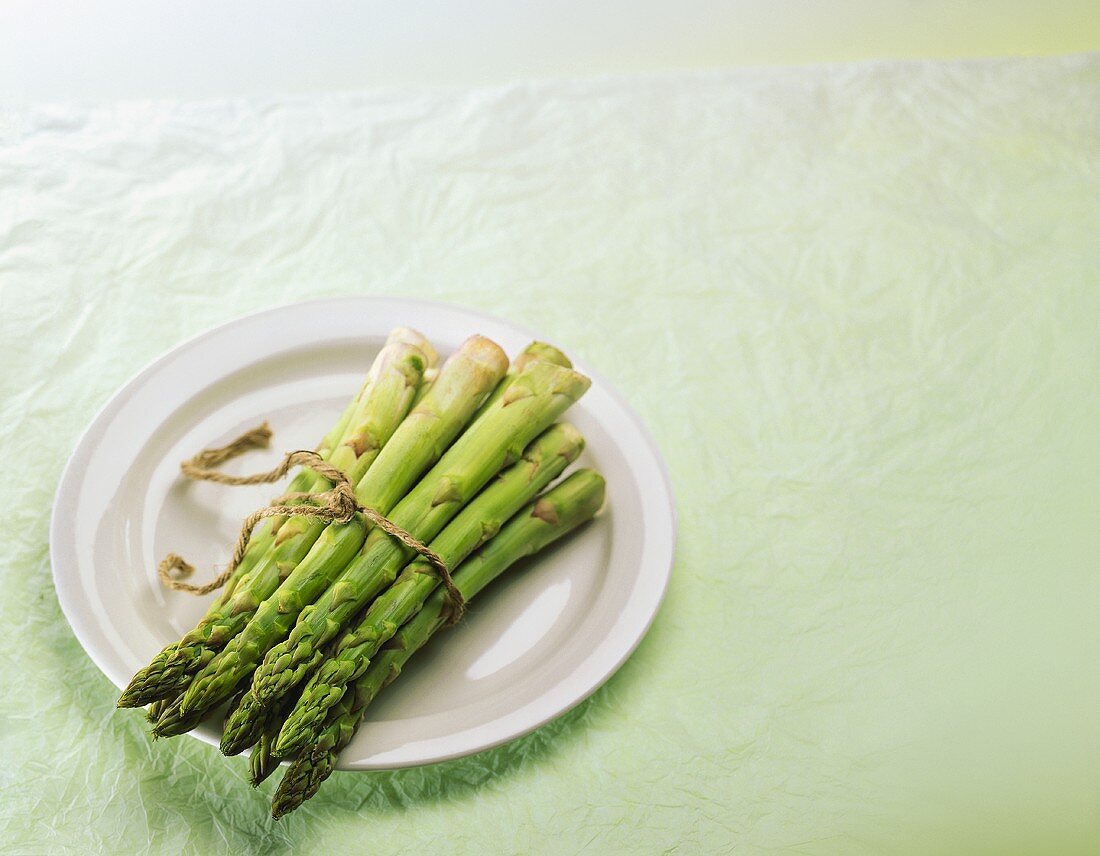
[859, 307]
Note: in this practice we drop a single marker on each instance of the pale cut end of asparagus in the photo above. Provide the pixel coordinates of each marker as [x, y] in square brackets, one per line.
[408, 336]
[487, 353]
[540, 351]
[534, 352]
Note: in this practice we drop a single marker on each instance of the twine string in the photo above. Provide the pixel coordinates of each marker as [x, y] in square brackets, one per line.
[338, 504]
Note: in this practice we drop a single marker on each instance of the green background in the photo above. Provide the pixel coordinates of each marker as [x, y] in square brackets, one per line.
[856, 305]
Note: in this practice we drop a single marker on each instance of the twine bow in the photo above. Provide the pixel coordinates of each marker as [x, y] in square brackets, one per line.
[338, 504]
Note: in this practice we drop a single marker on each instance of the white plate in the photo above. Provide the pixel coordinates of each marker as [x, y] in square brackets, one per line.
[534, 644]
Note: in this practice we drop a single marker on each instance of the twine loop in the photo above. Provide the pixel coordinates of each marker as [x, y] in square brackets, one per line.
[338, 504]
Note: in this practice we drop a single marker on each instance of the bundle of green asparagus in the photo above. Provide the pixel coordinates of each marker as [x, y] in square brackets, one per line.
[318, 616]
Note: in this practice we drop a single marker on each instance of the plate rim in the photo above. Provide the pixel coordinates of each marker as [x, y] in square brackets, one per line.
[69, 481]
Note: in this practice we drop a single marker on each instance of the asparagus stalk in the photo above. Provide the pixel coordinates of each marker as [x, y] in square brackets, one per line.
[262, 762]
[536, 397]
[540, 351]
[542, 462]
[245, 724]
[566, 506]
[171, 718]
[394, 377]
[464, 382]
[156, 709]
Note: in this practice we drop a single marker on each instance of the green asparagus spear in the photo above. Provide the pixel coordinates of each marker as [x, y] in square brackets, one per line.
[556, 513]
[465, 381]
[244, 724]
[391, 386]
[542, 462]
[156, 709]
[173, 720]
[261, 762]
[537, 396]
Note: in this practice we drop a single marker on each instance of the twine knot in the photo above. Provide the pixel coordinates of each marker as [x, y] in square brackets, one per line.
[342, 501]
